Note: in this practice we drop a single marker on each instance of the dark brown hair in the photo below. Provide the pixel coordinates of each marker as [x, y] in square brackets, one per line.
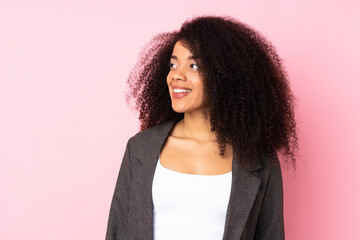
[245, 85]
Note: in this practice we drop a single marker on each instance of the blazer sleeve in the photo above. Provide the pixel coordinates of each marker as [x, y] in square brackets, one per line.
[119, 209]
[270, 223]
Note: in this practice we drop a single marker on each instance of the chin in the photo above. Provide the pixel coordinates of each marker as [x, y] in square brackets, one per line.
[178, 110]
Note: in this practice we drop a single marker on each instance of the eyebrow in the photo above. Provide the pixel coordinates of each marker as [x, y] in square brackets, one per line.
[190, 57]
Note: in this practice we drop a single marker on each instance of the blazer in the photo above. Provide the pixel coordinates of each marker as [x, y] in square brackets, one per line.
[255, 208]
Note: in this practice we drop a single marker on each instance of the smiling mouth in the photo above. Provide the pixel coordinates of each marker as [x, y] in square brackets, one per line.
[179, 93]
[179, 90]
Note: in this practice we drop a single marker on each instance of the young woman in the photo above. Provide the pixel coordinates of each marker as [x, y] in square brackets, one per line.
[215, 106]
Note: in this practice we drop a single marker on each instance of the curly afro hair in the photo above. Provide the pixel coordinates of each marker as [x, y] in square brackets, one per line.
[245, 86]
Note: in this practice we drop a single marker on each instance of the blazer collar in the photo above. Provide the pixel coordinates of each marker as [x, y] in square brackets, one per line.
[244, 186]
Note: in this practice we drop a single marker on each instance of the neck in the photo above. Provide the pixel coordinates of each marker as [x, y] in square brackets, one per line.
[195, 126]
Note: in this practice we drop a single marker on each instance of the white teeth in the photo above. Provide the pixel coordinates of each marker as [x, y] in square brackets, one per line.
[177, 90]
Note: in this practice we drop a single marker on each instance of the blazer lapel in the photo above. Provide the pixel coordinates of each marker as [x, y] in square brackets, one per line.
[146, 154]
[244, 186]
[244, 189]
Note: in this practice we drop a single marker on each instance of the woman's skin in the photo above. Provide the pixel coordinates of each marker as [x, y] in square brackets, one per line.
[191, 147]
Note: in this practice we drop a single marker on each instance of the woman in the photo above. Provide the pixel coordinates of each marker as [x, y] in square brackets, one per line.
[215, 106]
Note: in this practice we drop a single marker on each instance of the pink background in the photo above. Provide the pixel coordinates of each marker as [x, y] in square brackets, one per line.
[64, 122]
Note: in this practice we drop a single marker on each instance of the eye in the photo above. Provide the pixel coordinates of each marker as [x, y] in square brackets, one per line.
[194, 66]
[171, 65]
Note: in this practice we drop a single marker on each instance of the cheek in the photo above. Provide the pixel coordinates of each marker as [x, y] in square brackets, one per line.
[168, 82]
[168, 79]
[201, 91]
[200, 86]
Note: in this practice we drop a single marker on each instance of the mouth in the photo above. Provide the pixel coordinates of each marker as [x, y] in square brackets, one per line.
[180, 92]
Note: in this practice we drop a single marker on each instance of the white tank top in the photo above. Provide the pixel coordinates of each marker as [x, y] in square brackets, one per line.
[189, 206]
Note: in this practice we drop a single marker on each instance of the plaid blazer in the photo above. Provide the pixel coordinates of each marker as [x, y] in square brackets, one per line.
[255, 208]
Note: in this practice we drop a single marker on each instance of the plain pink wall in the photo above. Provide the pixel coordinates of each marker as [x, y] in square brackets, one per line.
[64, 123]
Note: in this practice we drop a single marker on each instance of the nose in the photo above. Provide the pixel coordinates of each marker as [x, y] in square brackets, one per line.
[178, 75]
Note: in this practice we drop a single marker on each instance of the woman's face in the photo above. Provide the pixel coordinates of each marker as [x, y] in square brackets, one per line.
[184, 81]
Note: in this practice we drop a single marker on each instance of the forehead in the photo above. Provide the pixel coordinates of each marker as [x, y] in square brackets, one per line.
[180, 49]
